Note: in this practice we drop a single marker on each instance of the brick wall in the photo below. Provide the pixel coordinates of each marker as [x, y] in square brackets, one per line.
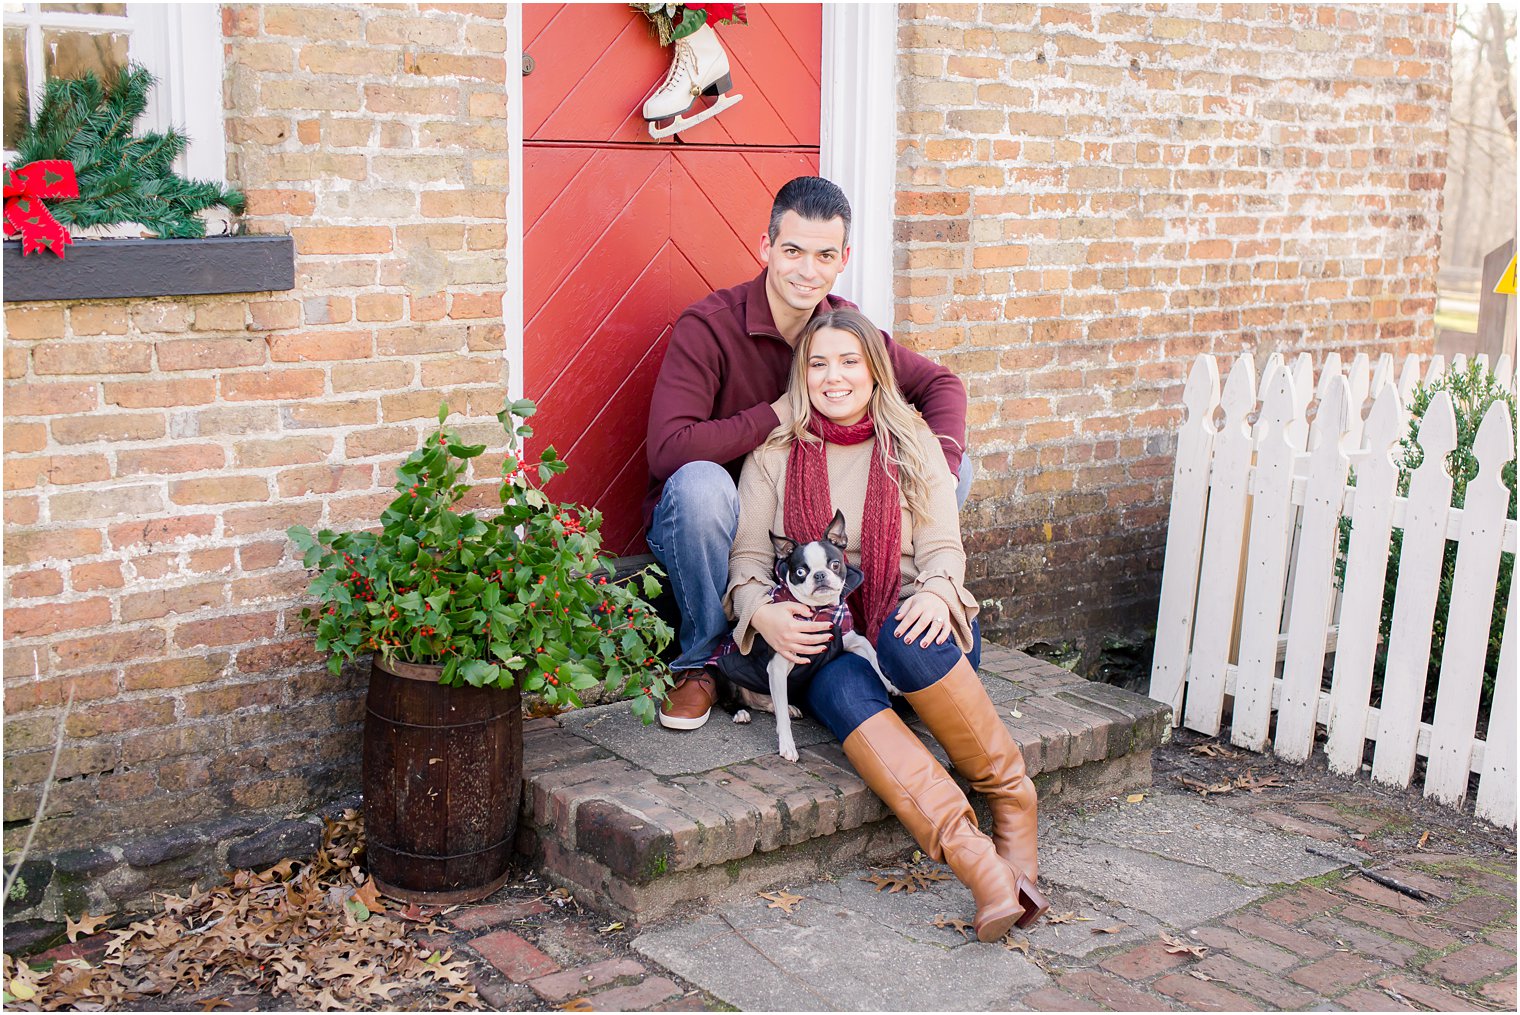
[1089, 197]
[1086, 200]
[157, 450]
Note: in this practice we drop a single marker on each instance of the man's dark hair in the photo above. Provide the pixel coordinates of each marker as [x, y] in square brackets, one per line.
[813, 198]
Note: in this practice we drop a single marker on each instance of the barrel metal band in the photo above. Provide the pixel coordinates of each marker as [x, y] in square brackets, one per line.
[435, 726]
[434, 856]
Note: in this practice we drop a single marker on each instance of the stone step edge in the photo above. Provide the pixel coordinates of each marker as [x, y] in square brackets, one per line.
[639, 827]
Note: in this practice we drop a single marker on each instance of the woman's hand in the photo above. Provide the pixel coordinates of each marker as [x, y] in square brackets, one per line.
[785, 628]
[924, 614]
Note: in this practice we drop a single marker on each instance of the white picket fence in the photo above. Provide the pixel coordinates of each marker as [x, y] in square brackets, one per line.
[1249, 604]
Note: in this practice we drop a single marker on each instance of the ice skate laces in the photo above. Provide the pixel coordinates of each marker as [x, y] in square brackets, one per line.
[685, 58]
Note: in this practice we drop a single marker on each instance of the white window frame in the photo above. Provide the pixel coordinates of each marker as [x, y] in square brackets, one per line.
[858, 147]
[182, 45]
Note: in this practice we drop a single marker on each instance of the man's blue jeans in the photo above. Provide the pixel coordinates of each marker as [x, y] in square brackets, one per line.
[691, 536]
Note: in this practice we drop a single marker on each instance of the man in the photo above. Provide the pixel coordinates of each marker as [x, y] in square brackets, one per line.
[716, 399]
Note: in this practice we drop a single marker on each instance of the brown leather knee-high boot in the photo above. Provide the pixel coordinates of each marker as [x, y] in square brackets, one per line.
[900, 770]
[962, 718]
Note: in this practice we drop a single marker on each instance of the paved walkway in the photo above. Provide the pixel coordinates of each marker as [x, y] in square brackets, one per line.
[1176, 901]
[1259, 894]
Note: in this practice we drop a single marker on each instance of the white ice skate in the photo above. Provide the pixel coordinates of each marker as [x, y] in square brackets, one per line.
[698, 71]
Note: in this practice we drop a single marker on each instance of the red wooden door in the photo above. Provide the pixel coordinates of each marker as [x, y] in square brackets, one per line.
[623, 233]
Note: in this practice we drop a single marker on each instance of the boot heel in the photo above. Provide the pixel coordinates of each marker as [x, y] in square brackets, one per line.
[718, 87]
[993, 928]
[1033, 901]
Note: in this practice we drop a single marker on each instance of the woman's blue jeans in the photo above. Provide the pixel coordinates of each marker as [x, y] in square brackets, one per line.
[847, 692]
[691, 535]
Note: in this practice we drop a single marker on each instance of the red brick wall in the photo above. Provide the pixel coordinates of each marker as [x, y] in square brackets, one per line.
[157, 450]
[1085, 202]
[1089, 198]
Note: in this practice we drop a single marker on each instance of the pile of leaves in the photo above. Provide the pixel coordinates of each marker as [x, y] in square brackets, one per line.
[316, 932]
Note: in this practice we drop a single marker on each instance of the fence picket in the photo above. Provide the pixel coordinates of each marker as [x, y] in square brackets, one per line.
[1458, 363]
[1472, 608]
[1362, 598]
[1382, 373]
[1496, 786]
[1330, 371]
[1505, 371]
[1223, 528]
[1314, 577]
[1414, 600]
[1266, 564]
[1409, 378]
[1184, 534]
[1435, 368]
[1303, 392]
[1360, 377]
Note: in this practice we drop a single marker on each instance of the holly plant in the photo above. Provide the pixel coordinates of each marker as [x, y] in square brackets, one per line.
[521, 597]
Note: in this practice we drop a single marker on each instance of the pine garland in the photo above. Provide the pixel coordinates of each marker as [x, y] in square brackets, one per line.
[122, 178]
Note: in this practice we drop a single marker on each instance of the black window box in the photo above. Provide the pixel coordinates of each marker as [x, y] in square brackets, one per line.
[112, 269]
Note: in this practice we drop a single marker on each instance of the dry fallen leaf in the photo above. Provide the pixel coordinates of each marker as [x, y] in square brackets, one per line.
[1255, 785]
[894, 882]
[1212, 750]
[578, 1004]
[609, 928]
[1134, 798]
[955, 923]
[1424, 838]
[1116, 928]
[85, 925]
[292, 931]
[1206, 788]
[1177, 946]
[1060, 917]
[1201, 976]
[782, 900]
[1014, 944]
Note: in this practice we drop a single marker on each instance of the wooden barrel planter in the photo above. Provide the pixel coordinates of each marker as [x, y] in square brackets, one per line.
[442, 784]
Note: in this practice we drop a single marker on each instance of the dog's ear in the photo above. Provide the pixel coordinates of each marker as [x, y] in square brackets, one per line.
[835, 532]
[783, 545]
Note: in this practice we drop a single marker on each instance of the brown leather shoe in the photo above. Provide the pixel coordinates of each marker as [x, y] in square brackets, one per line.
[688, 704]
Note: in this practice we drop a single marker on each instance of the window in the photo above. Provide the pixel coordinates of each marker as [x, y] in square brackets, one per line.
[180, 43]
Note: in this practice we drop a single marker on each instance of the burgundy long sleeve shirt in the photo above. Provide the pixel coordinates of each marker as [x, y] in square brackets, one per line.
[727, 362]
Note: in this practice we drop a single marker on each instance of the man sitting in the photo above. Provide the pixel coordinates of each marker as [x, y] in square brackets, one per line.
[723, 378]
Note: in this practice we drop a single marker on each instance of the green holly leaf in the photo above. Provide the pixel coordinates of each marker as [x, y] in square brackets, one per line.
[651, 587]
[443, 413]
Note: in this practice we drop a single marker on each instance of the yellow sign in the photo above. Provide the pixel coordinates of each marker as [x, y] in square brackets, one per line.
[1506, 284]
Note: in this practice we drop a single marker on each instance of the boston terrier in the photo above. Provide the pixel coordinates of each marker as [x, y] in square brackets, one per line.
[816, 575]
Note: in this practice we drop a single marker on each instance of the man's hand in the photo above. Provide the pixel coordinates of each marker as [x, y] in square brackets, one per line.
[924, 614]
[785, 628]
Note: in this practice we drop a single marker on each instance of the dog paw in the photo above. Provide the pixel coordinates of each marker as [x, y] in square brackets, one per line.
[789, 752]
[741, 716]
[891, 687]
[794, 711]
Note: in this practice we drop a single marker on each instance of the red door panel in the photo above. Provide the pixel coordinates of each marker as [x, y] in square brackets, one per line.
[623, 233]
[595, 64]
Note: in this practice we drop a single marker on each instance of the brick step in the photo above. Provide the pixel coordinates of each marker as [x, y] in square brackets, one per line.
[640, 821]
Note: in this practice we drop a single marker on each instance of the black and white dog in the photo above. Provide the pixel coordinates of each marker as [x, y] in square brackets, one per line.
[816, 575]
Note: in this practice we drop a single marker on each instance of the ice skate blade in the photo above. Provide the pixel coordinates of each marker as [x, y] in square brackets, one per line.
[681, 121]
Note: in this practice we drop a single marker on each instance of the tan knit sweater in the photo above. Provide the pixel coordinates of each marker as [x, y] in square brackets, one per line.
[933, 558]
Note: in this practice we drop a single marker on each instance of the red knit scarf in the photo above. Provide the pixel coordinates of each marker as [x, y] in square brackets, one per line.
[809, 508]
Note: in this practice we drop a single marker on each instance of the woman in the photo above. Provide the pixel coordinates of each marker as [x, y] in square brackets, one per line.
[848, 440]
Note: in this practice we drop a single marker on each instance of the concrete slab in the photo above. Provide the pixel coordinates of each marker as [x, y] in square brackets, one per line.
[830, 957]
[1084, 933]
[1178, 894]
[1193, 831]
[671, 752]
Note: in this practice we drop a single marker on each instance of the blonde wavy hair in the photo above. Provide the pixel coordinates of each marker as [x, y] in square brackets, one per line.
[894, 417]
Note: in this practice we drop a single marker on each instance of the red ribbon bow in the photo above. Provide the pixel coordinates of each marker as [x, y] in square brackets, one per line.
[25, 213]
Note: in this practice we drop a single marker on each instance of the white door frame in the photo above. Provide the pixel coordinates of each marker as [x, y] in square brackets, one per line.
[857, 150]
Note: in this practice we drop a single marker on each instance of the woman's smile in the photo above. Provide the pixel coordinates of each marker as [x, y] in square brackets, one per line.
[839, 379]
